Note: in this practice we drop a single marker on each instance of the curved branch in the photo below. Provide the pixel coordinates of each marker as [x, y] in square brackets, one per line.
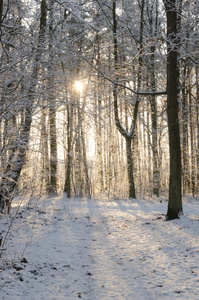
[142, 93]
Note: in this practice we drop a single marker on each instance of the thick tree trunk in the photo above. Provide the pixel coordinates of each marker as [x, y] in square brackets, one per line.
[175, 197]
[13, 170]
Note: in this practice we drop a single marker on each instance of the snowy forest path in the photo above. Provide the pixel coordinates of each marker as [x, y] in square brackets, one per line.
[91, 249]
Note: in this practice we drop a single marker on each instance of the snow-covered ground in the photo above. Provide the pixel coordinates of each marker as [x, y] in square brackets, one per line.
[71, 248]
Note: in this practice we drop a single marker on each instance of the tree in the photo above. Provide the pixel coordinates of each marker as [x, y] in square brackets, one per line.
[175, 197]
[153, 30]
[119, 53]
[17, 158]
[52, 105]
[127, 135]
[67, 185]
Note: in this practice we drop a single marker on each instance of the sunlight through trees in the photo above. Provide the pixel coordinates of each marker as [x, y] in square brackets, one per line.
[99, 99]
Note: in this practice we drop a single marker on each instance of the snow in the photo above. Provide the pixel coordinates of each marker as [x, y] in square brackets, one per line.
[61, 248]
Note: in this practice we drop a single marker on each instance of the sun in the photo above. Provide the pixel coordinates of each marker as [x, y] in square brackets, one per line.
[79, 86]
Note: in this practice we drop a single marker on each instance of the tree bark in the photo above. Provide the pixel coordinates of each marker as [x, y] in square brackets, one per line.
[152, 98]
[67, 186]
[52, 107]
[175, 197]
[88, 188]
[10, 180]
[45, 182]
[1, 11]
[197, 119]
[53, 151]
[130, 168]
[185, 150]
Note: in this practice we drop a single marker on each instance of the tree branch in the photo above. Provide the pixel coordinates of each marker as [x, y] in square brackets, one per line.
[143, 93]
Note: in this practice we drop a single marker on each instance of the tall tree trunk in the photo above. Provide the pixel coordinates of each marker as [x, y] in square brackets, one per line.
[88, 188]
[52, 106]
[192, 123]
[156, 172]
[197, 119]
[130, 168]
[98, 122]
[152, 98]
[10, 180]
[67, 186]
[127, 135]
[185, 150]
[175, 197]
[53, 151]
[45, 183]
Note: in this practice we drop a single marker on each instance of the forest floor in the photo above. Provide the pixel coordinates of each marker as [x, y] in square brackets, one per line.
[60, 249]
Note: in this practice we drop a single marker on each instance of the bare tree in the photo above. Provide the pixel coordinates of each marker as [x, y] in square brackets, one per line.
[127, 135]
[52, 105]
[13, 168]
[175, 196]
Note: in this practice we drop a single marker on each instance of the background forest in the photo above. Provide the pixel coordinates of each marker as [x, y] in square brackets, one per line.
[87, 94]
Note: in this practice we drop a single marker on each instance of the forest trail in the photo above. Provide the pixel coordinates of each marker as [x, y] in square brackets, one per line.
[93, 249]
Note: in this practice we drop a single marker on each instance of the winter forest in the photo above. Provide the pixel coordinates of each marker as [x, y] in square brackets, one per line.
[94, 97]
[99, 99]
